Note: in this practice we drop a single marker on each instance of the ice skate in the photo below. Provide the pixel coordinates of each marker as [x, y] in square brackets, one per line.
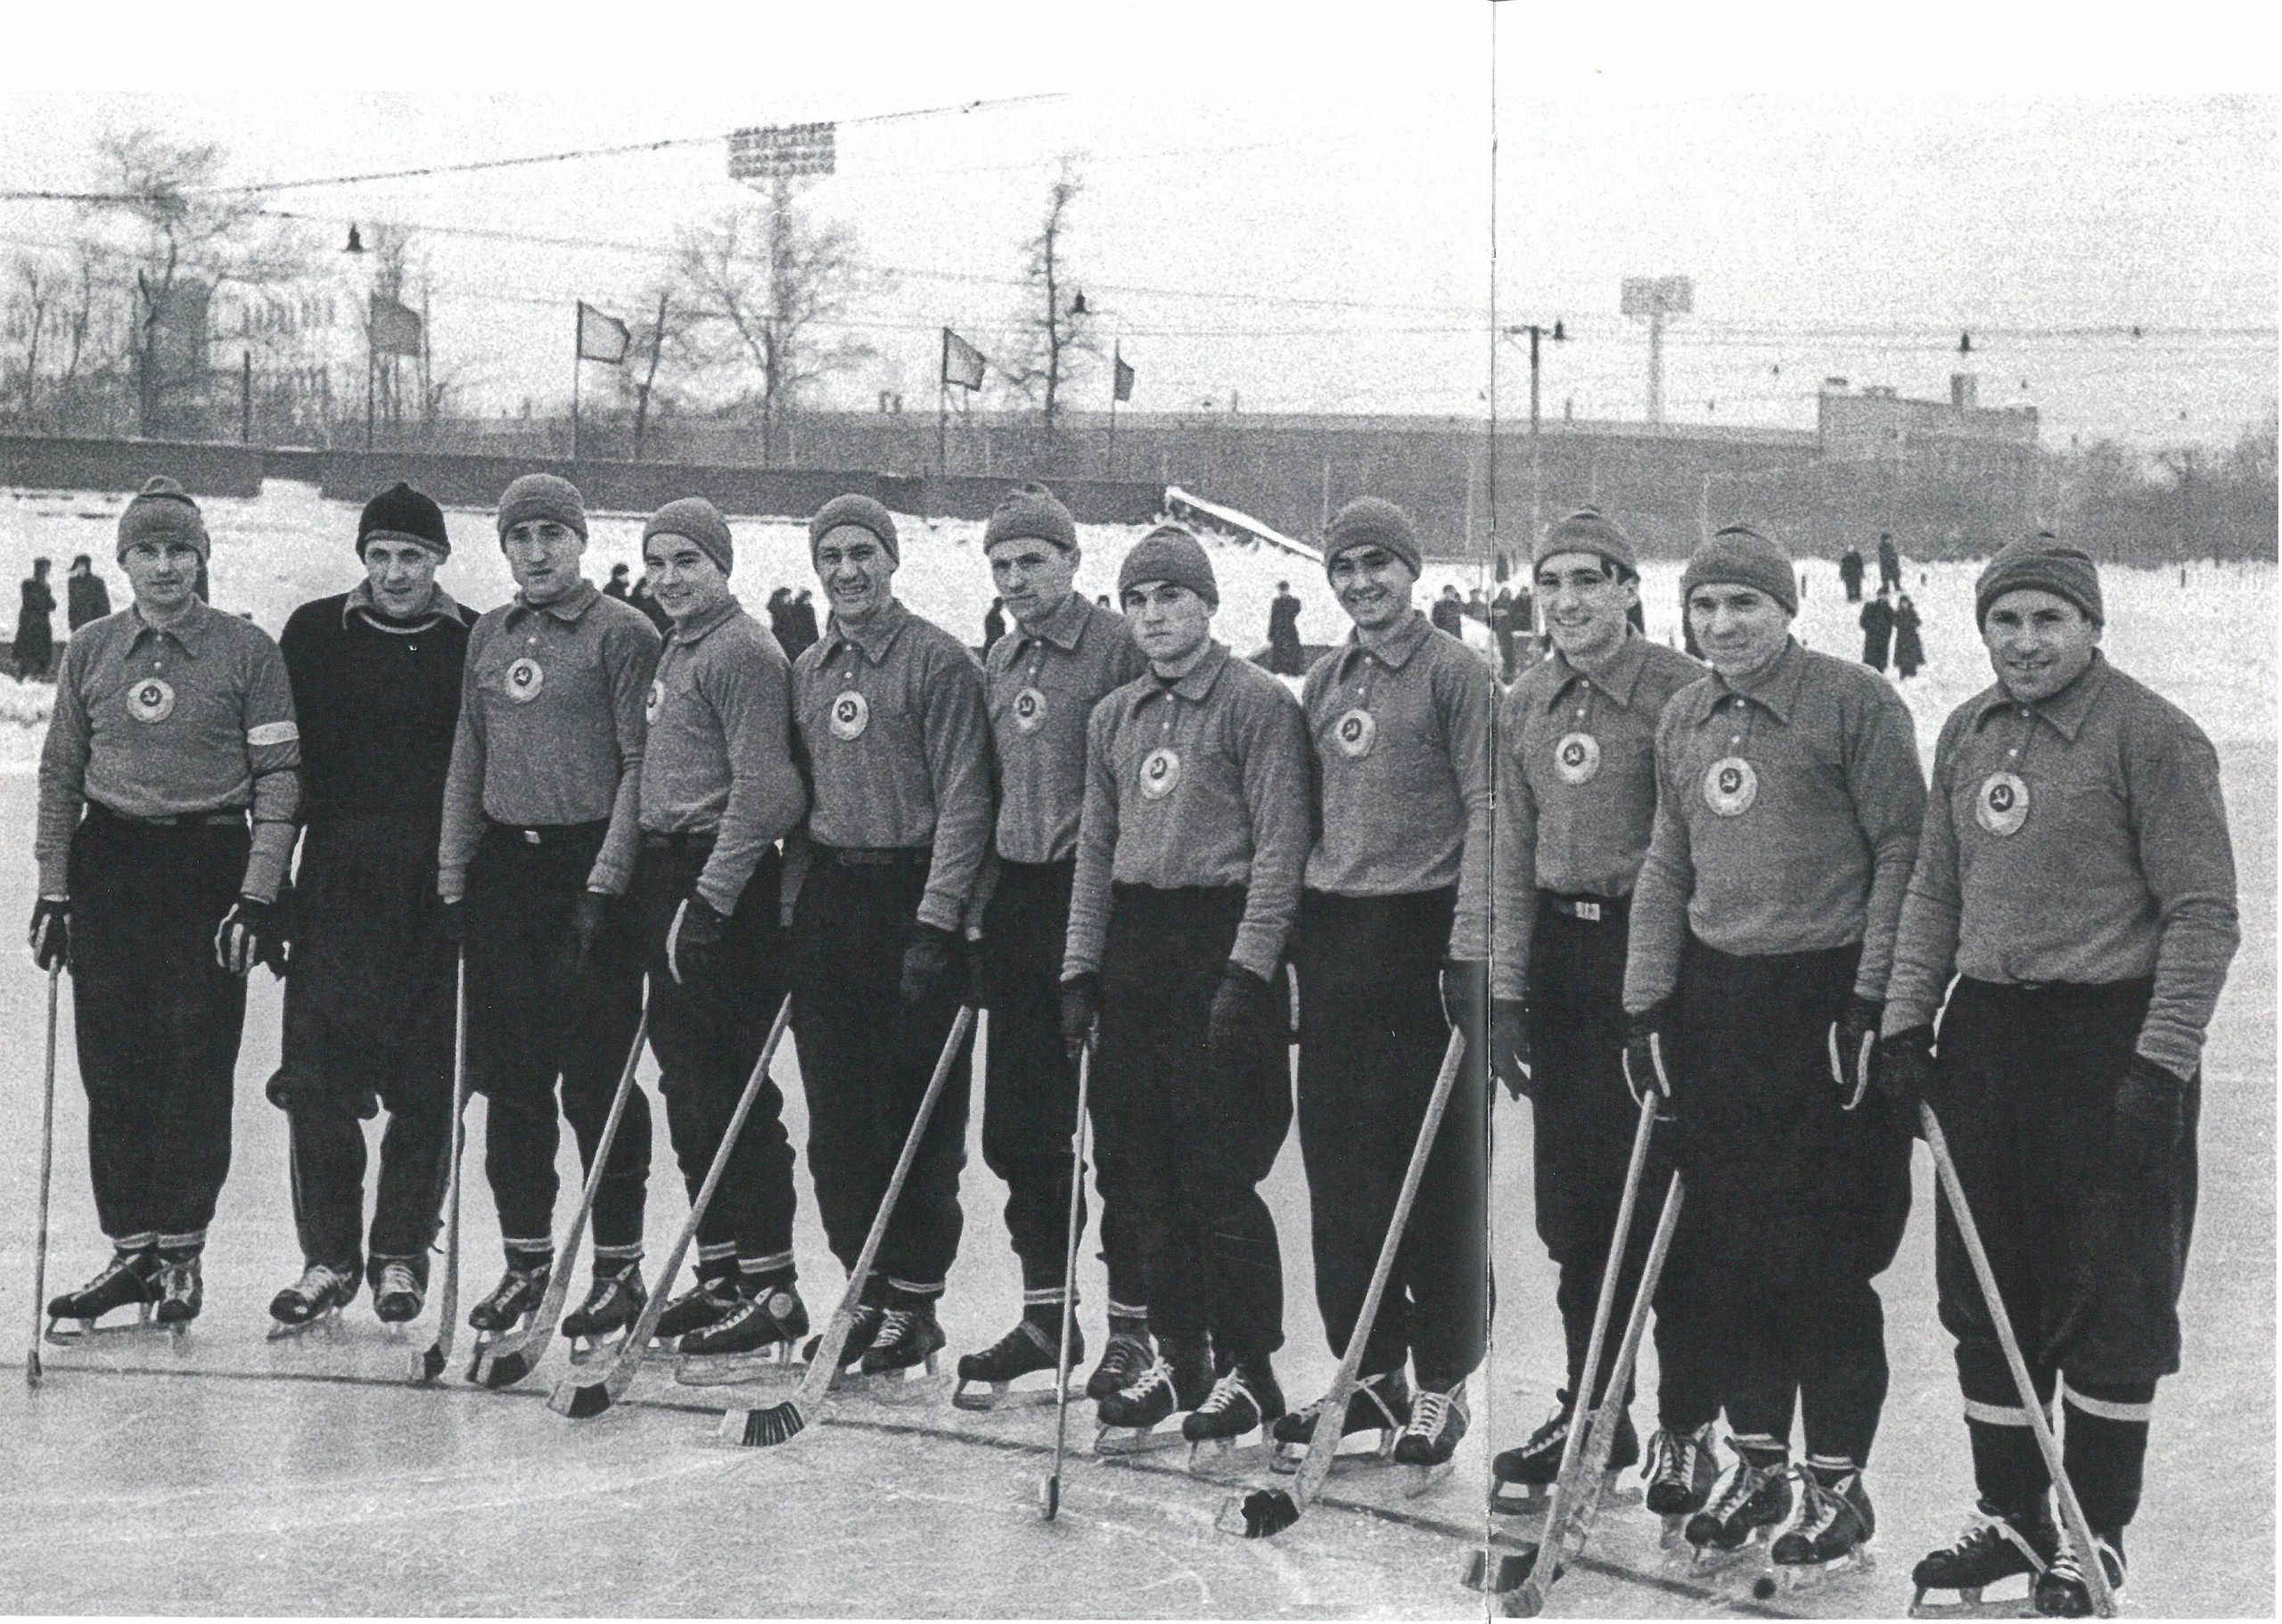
[2061, 1589]
[1244, 1400]
[1681, 1471]
[1123, 1359]
[1178, 1379]
[1438, 1422]
[1832, 1532]
[1992, 1549]
[1752, 1502]
[508, 1306]
[753, 1342]
[614, 1301]
[129, 1279]
[709, 1301]
[1521, 1478]
[1380, 1404]
[313, 1302]
[400, 1290]
[182, 1292]
[901, 1358]
[863, 1330]
[1027, 1351]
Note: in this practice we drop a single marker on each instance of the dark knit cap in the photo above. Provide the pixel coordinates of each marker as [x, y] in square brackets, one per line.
[1170, 553]
[1031, 512]
[861, 511]
[162, 510]
[1589, 530]
[1740, 556]
[700, 521]
[403, 514]
[543, 496]
[1368, 521]
[2041, 562]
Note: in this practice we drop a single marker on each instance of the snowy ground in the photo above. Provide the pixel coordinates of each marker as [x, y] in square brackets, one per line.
[233, 1476]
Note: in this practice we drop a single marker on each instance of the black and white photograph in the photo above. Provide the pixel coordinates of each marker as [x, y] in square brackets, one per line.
[1458, 810]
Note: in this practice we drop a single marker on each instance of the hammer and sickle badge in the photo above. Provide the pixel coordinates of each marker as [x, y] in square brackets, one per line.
[656, 701]
[1730, 785]
[525, 678]
[1159, 773]
[851, 715]
[1030, 711]
[2002, 805]
[1577, 756]
[1355, 730]
[151, 700]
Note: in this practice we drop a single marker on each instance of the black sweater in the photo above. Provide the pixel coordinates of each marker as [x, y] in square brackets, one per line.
[378, 708]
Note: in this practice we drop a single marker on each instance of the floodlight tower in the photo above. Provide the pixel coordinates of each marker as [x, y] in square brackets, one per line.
[1655, 298]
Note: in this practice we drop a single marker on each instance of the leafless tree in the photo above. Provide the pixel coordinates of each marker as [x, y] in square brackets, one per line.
[37, 287]
[1056, 331]
[663, 336]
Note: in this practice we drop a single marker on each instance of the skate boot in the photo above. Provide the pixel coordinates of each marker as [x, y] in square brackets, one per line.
[513, 1300]
[707, 1302]
[181, 1292]
[1123, 1360]
[1178, 1379]
[614, 1301]
[1520, 1478]
[1246, 1399]
[400, 1290]
[863, 1330]
[904, 1352]
[1029, 1349]
[129, 1279]
[1381, 1404]
[2062, 1591]
[317, 1297]
[1681, 1473]
[1752, 1501]
[1833, 1530]
[1439, 1418]
[753, 1340]
[1993, 1548]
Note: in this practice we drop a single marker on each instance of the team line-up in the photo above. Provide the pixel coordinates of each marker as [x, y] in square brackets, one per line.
[1709, 918]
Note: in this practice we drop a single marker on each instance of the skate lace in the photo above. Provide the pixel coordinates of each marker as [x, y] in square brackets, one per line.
[1985, 1531]
[898, 1326]
[2068, 1567]
[1553, 1432]
[1225, 1393]
[179, 1280]
[1741, 1482]
[1429, 1412]
[318, 1280]
[1124, 1358]
[1158, 1374]
[397, 1280]
[1818, 1507]
[1670, 1456]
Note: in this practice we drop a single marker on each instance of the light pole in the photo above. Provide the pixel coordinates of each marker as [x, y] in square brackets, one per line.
[1536, 334]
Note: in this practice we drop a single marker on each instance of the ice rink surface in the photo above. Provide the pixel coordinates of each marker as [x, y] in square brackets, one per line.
[226, 1474]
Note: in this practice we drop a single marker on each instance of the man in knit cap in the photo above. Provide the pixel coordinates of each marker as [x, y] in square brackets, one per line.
[1191, 851]
[369, 1008]
[541, 826]
[719, 789]
[2077, 880]
[890, 714]
[1576, 803]
[1789, 801]
[174, 726]
[1392, 951]
[1043, 682]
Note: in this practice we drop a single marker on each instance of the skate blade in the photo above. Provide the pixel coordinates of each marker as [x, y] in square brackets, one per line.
[912, 1384]
[1974, 1602]
[1519, 1499]
[587, 1349]
[65, 1331]
[1222, 1460]
[982, 1398]
[1418, 1480]
[325, 1323]
[1796, 1578]
[1113, 1442]
[1287, 1458]
[770, 1366]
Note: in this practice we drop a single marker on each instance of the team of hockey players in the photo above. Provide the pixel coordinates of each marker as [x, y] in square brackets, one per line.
[1718, 898]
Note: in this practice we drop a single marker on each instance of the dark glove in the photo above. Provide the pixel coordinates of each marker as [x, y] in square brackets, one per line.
[1082, 1005]
[589, 919]
[1243, 1014]
[51, 931]
[1466, 1001]
[1904, 1073]
[1646, 1062]
[931, 965]
[2150, 1115]
[1853, 1045]
[694, 938]
[250, 934]
[1509, 1047]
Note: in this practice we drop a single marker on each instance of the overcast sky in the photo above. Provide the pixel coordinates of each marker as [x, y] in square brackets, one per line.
[1290, 206]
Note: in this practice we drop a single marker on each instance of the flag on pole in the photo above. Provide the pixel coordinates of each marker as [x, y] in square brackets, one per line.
[601, 338]
[963, 363]
[1121, 384]
[394, 329]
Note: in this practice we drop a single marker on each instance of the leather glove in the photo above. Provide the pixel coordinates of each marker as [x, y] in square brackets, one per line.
[1904, 1073]
[51, 931]
[1244, 1013]
[1466, 1002]
[693, 940]
[1645, 1063]
[589, 919]
[1853, 1045]
[1082, 1005]
[931, 964]
[1509, 1047]
[2150, 1115]
[250, 934]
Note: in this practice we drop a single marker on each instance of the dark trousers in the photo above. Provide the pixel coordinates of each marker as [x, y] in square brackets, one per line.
[1802, 1203]
[1029, 1088]
[865, 1058]
[1372, 1035]
[1585, 1119]
[527, 1026]
[158, 1022]
[369, 1014]
[708, 1036]
[2089, 1256]
[1184, 1141]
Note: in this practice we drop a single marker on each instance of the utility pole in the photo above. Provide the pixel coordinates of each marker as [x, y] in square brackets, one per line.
[1536, 333]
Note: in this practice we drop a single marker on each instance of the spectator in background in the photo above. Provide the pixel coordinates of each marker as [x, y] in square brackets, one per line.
[1283, 656]
[86, 597]
[1448, 614]
[641, 598]
[618, 587]
[1909, 646]
[1888, 562]
[1476, 607]
[779, 625]
[35, 632]
[1501, 628]
[994, 624]
[801, 621]
[1877, 630]
[1850, 571]
[1102, 600]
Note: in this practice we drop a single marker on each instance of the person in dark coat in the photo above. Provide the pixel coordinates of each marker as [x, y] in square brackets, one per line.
[801, 621]
[1283, 656]
[34, 633]
[85, 595]
[780, 627]
[1501, 628]
[1849, 572]
[1448, 614]
[994, 624]
[1877, 630]
[641, 598]
[618, 587]
[1909, 646]
[1888, 562]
